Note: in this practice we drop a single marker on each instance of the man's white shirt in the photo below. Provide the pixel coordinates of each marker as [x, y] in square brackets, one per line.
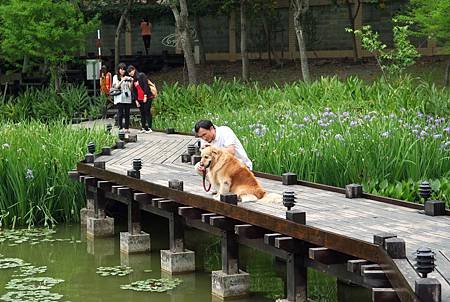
[225, 137]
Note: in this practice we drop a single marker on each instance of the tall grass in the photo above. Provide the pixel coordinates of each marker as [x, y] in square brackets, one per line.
[388, 136]
[46, 104]
[34, 161]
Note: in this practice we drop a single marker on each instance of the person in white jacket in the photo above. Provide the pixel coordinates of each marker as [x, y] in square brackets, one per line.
[123, 100]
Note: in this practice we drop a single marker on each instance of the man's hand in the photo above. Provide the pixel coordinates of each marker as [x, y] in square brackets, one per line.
[137, 104]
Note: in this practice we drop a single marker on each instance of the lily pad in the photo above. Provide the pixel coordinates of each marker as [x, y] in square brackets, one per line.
[30, 296]
[11, 263]
[19, 236]
[153, 285]
[30, 270]
[32, 283]
[120, 270]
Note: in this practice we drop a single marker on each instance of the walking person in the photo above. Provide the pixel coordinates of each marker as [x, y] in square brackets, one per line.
[123, 100]
[105, 86]
[146, 33]
[143, 97]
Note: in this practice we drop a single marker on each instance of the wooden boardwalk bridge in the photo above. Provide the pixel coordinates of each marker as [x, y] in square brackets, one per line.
[367, 241]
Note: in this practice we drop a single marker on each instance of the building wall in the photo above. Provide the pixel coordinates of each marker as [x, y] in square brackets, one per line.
[324, 30]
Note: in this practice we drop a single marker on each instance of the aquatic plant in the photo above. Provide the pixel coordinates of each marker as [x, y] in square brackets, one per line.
[120, 271]
[34, 161]
[153, 285]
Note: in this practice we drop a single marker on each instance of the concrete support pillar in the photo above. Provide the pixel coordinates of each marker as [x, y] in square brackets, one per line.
[177, 259]
[134, 241]
[230, 281]
[100, 225]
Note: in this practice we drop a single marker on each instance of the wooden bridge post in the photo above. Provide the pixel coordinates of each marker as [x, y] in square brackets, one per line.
[230, 281]
[177, 259]
[134, 241]
[88, 211]
[296, 271]
[99, 225]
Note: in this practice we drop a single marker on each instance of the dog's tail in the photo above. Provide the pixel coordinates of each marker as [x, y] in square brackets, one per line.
[272, 198]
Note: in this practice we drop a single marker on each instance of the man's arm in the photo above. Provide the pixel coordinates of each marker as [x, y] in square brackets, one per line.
[231, 149]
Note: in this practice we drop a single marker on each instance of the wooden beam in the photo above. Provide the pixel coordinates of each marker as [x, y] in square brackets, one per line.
[270, 238]
[249, 231]
[90, 181]
[190, 212]
[327, 256]
[156, 200]
[384, 295]
[124, 192]
[74, 175]
[142, 197]
[104, 185]
[222, 223]
[287, 243]
[168, 205]
[354, 265]
[207, 216]
[114, 189]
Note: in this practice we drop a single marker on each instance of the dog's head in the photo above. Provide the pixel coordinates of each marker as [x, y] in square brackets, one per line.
[209, 156]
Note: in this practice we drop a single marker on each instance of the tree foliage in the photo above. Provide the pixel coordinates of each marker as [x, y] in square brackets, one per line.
[432, 19]
[42, 30]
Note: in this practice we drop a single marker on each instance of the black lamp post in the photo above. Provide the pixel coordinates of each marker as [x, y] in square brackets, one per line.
[91, 148]
[425, 190]
[424, 261]
[137, 166]
[289, 199]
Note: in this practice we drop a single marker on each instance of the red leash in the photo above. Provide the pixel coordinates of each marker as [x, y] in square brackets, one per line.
[204, 182]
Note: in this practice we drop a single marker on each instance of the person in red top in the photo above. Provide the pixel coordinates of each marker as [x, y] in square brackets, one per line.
[143, 97]
[105, 80]
[146, 33]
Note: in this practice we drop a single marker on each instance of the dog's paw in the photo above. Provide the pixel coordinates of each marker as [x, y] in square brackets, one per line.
[217, 197]
[213, 192]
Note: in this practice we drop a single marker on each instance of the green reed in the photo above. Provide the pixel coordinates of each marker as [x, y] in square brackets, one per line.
[34, 161]
[387, 136]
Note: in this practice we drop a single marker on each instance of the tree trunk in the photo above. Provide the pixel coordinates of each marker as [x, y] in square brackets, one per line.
[270, 50]
[301, 6]
[244, 53]
[447, 71]
[351, 18]
[201, 45]
[187, 44]
[118, 30]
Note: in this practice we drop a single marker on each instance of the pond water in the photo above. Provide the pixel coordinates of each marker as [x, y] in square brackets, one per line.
[66, 254]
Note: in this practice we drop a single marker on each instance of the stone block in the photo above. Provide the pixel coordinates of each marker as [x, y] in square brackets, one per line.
[428, 289]
[132, 244]
[395, 247]
[434, 208]
[84, 214]
[177, 262]
[227, 286]
[106, 151]
[289, 178]
[353, 191]
[100, 164]
[120, 144]
[381, 237]
[100, 227]
[89, 158]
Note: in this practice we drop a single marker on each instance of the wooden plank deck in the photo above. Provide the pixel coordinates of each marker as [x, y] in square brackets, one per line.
[358, 218]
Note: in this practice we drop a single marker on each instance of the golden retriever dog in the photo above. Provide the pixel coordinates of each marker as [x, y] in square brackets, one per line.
[228, 174]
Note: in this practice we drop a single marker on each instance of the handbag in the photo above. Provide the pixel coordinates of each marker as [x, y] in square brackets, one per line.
[115, 91]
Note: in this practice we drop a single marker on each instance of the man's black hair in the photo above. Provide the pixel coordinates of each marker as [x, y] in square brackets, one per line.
[205, 124]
